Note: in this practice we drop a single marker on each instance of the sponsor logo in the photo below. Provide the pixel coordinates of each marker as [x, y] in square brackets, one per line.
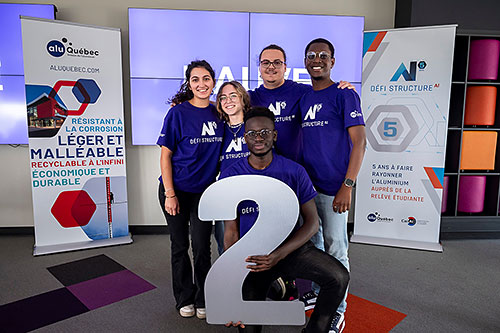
[277, 107]
[311, 113]
[412, 221]
[209, 128]
[55, 48]
[376, 217]
[356, 113]
[58, 48]
[410, 75]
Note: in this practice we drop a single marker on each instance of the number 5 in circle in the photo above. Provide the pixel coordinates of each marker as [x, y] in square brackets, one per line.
[278, 213]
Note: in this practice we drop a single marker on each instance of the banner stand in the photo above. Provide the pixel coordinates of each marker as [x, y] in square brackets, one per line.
[49, 249]
[74, 98]
[426, 246]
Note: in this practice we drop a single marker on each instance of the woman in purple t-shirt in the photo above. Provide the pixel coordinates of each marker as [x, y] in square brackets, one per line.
[232, 103]
[190, 142]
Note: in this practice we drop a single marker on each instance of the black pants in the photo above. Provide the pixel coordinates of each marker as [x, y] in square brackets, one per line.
[187, 291]
[307, 262]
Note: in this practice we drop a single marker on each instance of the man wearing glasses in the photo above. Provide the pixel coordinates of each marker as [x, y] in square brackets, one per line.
[334, 145]
[282, 98]
[296, 256]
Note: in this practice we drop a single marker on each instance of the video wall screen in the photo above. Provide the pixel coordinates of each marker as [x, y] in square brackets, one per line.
[14, 128]
[163, 42]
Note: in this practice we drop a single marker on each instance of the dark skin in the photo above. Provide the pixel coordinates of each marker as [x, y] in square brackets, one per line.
[319, 70]
[261, 156]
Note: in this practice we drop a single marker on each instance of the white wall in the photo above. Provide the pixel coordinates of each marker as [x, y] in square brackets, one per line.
[143, 161]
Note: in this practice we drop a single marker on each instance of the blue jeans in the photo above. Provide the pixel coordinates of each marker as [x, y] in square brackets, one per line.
[331, 236]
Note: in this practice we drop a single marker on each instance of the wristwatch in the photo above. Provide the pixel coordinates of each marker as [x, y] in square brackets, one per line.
[349, 182]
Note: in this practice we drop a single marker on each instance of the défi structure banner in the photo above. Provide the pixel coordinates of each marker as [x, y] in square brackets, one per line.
[76, 136]
[405, 97]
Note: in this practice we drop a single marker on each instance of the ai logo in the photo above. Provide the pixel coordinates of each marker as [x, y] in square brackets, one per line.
[311, 113]
[235, 145]
[209, 128]
[276, 109]
[409, 76]
[55, 48]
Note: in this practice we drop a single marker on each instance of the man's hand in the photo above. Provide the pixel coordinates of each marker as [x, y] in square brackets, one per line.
[263, 262]
[342, 201]
[345, 84]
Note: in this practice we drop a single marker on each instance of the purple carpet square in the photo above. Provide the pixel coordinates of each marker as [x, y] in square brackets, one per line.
[109, 289]
[40, 310]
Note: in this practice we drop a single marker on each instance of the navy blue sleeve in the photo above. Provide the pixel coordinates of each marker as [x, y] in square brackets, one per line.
[170, 134]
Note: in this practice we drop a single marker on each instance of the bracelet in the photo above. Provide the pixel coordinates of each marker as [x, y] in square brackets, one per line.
[168, 189]
[173, 196]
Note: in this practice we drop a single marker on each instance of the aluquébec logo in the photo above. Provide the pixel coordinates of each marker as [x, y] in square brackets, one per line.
[409, 75]
[58, 48]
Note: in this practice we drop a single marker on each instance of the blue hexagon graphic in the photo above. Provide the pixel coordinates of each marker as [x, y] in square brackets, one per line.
[86, 91]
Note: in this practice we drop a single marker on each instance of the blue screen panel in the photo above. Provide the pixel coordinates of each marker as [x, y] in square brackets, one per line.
[14, 128]
[11, 45]
[293, 32]
[162, 42]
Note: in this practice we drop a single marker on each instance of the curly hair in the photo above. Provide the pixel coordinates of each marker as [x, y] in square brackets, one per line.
[185, 93]
[245, 99]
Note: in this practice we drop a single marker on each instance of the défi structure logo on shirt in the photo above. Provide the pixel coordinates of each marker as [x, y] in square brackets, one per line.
[235, 145]
[277, 107]
[209, 128]
[311, 113]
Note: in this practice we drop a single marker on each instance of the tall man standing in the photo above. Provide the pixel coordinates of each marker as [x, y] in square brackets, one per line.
[334, 145]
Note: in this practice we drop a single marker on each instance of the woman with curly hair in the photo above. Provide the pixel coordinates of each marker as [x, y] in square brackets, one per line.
[190, 142]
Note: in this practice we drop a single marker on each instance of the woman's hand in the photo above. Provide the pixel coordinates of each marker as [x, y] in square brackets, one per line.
[172, 205]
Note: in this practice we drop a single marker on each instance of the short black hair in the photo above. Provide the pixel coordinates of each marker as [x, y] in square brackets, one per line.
[273, 47]
[258, 111]
[320, 40]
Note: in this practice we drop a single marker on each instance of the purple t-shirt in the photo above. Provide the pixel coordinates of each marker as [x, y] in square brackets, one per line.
[284, 103]
[326, 115]
[234, 146]
[281, 168]
[194, 135]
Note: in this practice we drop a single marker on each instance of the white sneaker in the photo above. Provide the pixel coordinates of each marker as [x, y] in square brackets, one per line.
[201, 313]
[187, 311]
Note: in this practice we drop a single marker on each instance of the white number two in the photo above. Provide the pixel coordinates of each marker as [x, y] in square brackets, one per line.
[278, 212]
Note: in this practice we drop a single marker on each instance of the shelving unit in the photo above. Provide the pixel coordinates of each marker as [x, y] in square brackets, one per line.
[453, 221]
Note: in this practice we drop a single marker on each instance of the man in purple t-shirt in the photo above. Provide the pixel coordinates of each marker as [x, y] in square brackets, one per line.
[282, 98]
[296, 256]
[334, 145]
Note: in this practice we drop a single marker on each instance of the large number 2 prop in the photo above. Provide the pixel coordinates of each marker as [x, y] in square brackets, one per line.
[278, 212]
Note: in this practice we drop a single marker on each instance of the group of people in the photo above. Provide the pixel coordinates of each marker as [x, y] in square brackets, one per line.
[314, 142]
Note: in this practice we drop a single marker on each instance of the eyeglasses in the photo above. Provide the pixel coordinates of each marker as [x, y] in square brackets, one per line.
[232, 97]
[323, 55]
[276, 63]
[263, 133]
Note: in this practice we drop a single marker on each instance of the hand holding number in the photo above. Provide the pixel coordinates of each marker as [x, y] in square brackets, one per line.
[263, 262]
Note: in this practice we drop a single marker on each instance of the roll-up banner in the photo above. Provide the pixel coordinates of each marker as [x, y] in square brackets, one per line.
[74, 100]
[405, 96]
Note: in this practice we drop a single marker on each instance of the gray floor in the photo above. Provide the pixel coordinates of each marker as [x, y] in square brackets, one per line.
[454, 291]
